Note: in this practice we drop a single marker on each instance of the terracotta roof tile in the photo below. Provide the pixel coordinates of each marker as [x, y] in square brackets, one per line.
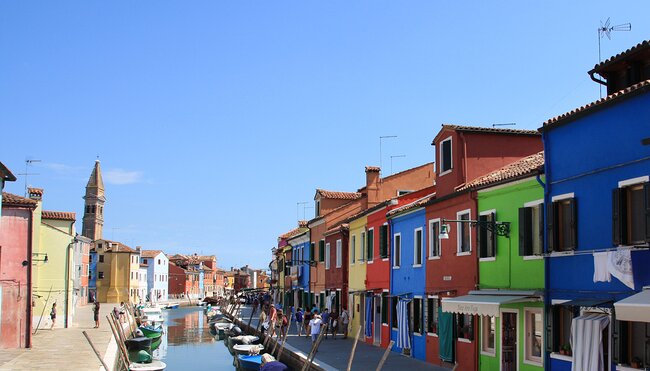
[487, 130]
[523, 167]
[14, 200]
[621, 94]
[293, 233]
[58, 215]
[428, 164]
[373, 168]
[609, 61]
[35, 191]
[149, 253]
[339, 195]
[413, 205]
[115, 246]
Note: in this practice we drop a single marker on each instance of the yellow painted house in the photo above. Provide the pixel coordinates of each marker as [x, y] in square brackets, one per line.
[357, 273]
[118, 273]
[52, 260]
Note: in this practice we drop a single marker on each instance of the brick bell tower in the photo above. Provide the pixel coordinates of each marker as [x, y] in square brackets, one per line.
[93, 221]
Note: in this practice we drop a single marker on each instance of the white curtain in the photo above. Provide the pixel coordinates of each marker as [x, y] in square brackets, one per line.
[587, 342]
[403, 332]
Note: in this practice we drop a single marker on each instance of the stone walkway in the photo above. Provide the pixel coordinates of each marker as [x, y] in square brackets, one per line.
[66, 349]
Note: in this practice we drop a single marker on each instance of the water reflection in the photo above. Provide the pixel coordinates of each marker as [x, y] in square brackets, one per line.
[187, 343]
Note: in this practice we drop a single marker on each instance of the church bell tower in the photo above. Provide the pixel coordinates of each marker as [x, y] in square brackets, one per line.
[93, 221]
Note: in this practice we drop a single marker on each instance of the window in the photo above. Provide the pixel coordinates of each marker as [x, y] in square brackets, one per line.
[384, 308]
[101, 258]
[144, 261]
[371, 245]
[531, 229]
[534, 346]
[383, 241]
[394, 312]
[432, 315]
[464, 243]
[631, 214]
[416, 315]
[445, 156]
[488, 324]
[630, 340]
[465, 326]
[90, 258]
[562, 224]
[158, 261]
[397, 250]
[321, 250]
[100, 275]
[311, 251]
[353, 249]
[363, 246]
[317, 209]
[487, 239]
[327, 255]
[434, 239]
[558, 326]
[339, 253]
[417, 247]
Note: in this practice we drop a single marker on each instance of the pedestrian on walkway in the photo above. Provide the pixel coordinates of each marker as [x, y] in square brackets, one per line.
[305, 319]
[326, 318]
[53, 315]
[345, 321]
[96, 313]
[122, 312]
[334, 322]
[314, 327]
[299, 318]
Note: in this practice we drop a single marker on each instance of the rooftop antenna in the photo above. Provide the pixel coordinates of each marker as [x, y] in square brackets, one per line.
[380, 139]
[27, 173]
[298, 208]
[505, 124]
[391, 162]
[606, 29]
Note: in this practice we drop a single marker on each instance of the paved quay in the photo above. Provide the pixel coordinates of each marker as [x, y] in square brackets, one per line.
[333, 354]
[66, 349]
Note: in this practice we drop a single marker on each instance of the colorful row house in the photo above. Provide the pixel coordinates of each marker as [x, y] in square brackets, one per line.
[300, 266]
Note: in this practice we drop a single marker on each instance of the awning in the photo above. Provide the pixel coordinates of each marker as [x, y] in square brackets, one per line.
[483, 305]
[634, 308]
[588, 303]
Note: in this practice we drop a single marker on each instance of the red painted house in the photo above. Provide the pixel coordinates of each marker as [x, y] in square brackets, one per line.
[463, 154]
[16, 271]
[176, 286]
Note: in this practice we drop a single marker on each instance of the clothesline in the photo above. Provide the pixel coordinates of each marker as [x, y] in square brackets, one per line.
[592, 251]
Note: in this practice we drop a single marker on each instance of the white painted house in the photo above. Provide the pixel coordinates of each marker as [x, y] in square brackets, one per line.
[157, 274]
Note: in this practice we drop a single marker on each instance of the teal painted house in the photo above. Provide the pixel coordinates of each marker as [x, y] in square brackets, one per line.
[509, 301]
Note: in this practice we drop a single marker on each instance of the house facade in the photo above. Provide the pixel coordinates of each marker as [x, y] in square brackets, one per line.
[300, 268]
[356, 272]
[598, 223]
[81, 270]
[157, 281]
[118, 270]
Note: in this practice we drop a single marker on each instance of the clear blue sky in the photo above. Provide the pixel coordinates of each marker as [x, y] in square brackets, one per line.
[213, 119]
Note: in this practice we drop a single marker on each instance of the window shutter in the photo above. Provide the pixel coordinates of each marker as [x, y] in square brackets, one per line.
[550, 222]
[482, 237]
[616, 342]
[550, 340]
[616, 217]
[646, 190]
[540, 235]
[522, 231]
[646, 358]
[574, 224]
[382, 241]
[493, 237]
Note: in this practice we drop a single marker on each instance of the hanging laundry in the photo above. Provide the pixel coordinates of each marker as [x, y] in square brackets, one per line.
[601, 273]
[619, 265]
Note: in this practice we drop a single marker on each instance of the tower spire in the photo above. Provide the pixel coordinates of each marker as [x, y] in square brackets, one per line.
[93, 221]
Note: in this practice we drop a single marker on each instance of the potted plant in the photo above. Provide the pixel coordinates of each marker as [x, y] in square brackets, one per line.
[636, 362]
[565, 350]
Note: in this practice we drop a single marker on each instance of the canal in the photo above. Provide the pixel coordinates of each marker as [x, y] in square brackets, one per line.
[188, 345]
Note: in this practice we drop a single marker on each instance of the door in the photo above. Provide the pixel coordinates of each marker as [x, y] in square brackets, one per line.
[509, 341]
[377, 320]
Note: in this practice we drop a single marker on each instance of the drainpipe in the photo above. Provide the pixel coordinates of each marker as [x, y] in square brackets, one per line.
[547, 186]
[28, 311]
[594, 78]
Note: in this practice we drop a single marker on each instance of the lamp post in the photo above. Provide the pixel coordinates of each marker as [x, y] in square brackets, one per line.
[499, 228]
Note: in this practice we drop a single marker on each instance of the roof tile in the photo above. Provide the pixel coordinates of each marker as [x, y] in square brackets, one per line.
[58, 215]
[339, 195]
[525, 166]
[14, 200]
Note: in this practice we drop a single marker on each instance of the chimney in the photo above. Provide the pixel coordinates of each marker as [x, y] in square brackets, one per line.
[373, 185]
[302, 224]
[35, 194]
[138, 248]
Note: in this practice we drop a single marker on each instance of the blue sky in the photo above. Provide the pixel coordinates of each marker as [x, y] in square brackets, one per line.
[213, 119]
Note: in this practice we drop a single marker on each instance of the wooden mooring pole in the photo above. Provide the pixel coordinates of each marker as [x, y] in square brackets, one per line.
[386, 353]
[354, 348]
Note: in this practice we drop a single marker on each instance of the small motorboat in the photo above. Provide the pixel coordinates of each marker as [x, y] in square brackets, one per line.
[155, 365]
[172, 306]
[139, 343]
[151, 331]
[244, 339]
[247, 362]
[151, 315]
[248, 348]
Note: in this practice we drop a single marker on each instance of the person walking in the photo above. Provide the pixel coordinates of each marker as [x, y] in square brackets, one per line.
[307, 316]
[299, 319]
[96, 313]
[314, 327]
[334, 323]
[345, 321]
[53, 315]
[325, 317]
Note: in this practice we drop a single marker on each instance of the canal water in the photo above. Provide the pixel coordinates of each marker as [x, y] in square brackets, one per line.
[187, 343]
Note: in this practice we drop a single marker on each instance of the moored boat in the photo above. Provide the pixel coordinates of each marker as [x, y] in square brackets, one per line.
[247, 362]
[248, 348]
[151, 332]
[155, 365]
[172, 305]
[151, 315]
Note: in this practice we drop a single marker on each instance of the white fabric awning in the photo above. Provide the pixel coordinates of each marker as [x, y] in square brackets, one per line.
[483, 305]
[634, 308]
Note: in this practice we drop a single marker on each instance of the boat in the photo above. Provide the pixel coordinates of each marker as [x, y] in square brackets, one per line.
[248, 348]
[151, 315]
[139, 343]
[172, 305]
[246, 362]
[155, 343]
[155, 365]
[151, 332]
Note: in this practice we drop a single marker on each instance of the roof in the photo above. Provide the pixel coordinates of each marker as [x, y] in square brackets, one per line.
[338, 195]
[520, 168]
[294, 232]
[95, 180]
[400, 173]
[485, 130]
[149, 253]
[413, 205]
[372, 168]
[634, 90]
[114, 246]
[642, 46]
[10, 199]
[339, 227]
[58, 215]
[6, 174]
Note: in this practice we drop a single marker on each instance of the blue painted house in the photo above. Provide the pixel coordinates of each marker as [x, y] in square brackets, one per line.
[92, 276]
[598, 223]
[299, 272]
[407, 225]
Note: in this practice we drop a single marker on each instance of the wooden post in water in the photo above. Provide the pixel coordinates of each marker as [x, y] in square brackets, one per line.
[284, 341]
[314, 348]
[120, 345]
[354, 348]
[386, 353]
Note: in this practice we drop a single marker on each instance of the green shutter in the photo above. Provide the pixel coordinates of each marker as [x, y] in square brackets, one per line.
[482, 236]
[617, 217]
[616, 342]
[573, 226]
[370, 245]
[525, 231]
[383, 239]
[550, 319]
[321, 250]
[493, 238]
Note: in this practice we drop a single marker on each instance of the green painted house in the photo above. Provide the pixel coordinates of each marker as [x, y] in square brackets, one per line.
[509, 302]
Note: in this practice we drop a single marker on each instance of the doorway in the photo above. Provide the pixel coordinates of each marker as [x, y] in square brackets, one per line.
[509, 340]
[377, 320]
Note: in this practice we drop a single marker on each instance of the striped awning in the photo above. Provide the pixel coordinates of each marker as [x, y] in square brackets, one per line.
[482, 305]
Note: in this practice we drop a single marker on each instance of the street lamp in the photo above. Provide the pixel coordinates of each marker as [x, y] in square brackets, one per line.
[500, 228]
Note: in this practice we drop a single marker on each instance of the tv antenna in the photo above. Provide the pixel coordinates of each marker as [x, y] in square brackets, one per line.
[304, 206]
[27, 173]
[606, 29]
[380, 139]
[391, 161]
[504, 124]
